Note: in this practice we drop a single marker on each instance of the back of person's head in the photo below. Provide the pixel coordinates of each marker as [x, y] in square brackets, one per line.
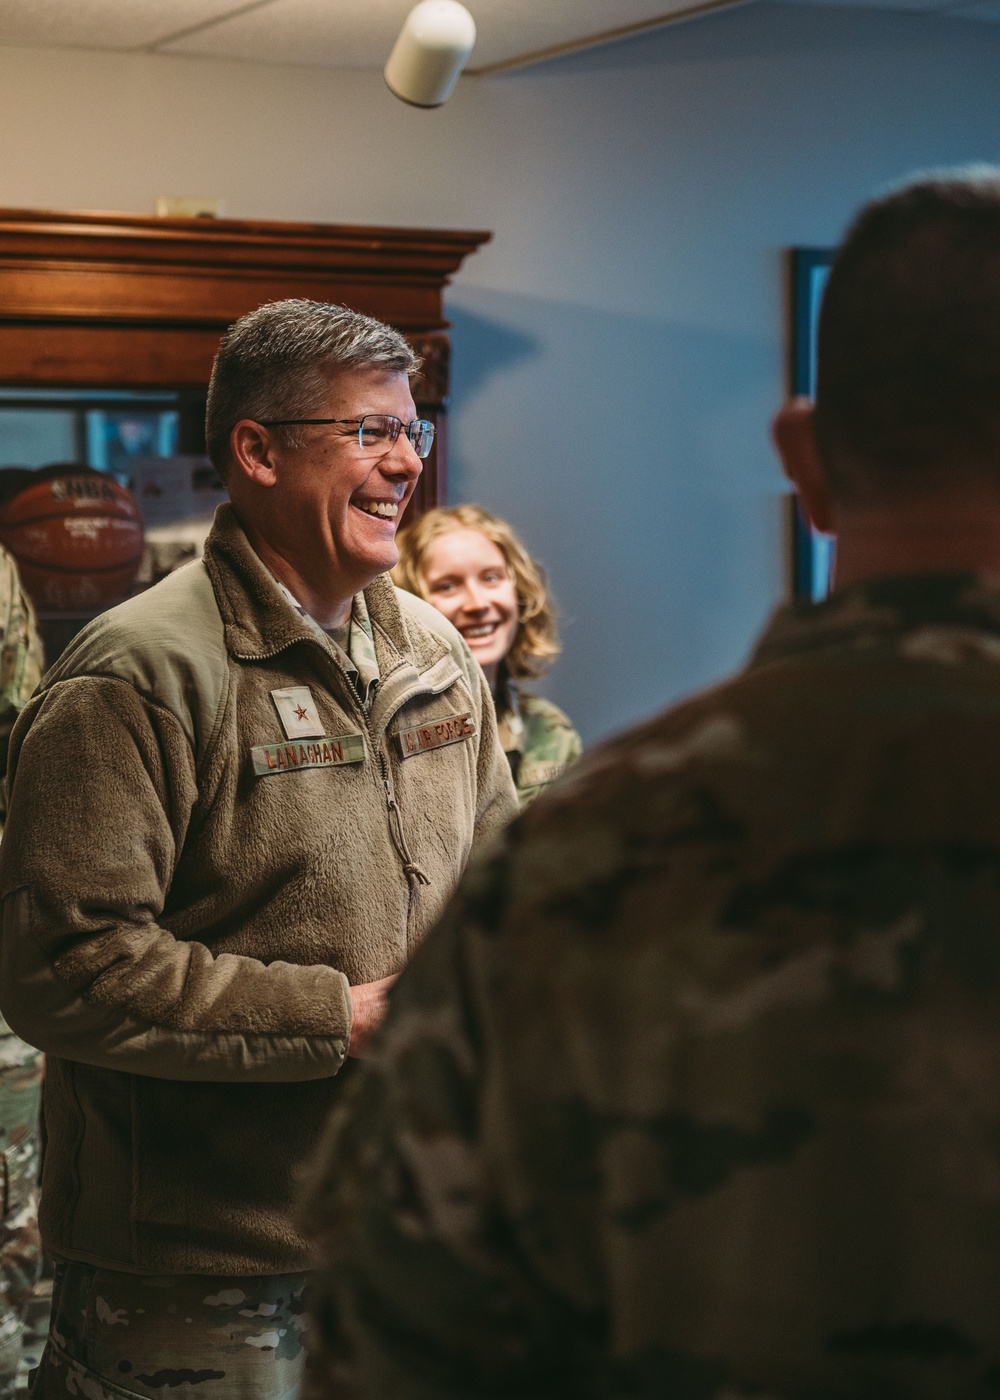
[277, 362]
[536, 644]
[908, 373]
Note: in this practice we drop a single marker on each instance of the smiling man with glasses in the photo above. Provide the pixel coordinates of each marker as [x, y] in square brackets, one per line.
[271, 770]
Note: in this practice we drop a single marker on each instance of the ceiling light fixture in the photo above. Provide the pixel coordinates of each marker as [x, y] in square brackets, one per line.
[431, 51]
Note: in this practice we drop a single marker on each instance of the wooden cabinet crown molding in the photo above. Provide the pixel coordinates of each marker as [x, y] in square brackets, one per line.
[134, 269]
[130, 301]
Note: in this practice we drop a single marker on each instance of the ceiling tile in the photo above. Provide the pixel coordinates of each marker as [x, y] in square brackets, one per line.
[360, 33]
[102, 24]
[350, 33]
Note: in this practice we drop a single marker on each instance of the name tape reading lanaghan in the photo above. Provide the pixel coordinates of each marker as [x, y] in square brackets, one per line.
[321, 753]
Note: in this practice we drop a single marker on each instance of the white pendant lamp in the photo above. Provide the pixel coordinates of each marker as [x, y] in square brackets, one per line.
[431, 51]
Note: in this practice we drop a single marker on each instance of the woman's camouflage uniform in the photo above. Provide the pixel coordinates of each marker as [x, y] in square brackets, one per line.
[20, 1065]
[538, 739]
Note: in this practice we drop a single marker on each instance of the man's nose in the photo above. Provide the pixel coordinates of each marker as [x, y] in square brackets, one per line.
[401, 460]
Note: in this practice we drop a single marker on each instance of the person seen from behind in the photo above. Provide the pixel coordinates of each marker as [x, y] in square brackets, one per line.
[695, 1090]
[473, 568]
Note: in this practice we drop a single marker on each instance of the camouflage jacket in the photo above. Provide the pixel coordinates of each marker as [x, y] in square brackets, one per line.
[538, 739]
[695, 1091]
[20, 1065]
[20, 659]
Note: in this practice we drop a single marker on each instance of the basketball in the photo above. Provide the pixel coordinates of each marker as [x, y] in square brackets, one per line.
[77, 537]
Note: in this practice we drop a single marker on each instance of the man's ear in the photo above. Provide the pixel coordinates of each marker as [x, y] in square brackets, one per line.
[794, 435]
[251, 448]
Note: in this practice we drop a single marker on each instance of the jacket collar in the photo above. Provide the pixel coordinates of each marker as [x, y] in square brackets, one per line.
[257, 619]
[943, 616]
[259, 622]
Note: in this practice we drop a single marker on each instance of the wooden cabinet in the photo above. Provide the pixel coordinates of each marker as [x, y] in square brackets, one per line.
[120, 300]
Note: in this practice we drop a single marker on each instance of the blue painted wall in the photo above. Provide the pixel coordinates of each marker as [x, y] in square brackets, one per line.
[629, 321]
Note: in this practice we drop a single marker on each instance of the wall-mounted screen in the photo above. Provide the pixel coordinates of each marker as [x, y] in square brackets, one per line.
[812, 553]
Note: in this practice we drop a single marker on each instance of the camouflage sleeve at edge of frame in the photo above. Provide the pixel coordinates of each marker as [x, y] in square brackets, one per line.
[21, 660]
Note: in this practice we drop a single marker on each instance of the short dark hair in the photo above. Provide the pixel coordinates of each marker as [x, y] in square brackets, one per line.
[908, 367]
[275, 363]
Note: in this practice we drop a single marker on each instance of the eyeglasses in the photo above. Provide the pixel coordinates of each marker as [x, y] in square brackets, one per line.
[377, 432]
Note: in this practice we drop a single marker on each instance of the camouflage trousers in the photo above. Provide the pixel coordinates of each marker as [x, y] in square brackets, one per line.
[116, 1335]
[20, 1249]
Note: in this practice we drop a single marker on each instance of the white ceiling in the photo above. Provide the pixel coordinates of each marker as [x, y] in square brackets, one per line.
[333, 33]
[354, 33]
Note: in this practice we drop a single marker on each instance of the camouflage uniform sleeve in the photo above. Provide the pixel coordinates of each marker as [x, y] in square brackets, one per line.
[551, 745]
[20, 1242]
[21, 660]
[427, 1291]
[21, 669]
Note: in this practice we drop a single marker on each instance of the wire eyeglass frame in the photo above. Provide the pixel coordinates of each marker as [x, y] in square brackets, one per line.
[420, 432]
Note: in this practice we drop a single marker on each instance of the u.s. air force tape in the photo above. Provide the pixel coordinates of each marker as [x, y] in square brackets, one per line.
[435, 735]
[318, 753]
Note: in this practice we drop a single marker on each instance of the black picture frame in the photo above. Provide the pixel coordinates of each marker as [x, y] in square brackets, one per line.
[811, 553]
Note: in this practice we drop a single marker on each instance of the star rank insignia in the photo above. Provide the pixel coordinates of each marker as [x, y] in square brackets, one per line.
[298, 713]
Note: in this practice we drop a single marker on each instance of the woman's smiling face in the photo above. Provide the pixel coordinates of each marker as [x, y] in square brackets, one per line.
[467, 579]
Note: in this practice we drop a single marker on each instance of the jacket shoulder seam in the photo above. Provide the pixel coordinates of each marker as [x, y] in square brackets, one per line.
[154, 702]
[202, 764]
[118, 649]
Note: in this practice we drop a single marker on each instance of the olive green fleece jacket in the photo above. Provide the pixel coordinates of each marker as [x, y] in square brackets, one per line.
[188, 891]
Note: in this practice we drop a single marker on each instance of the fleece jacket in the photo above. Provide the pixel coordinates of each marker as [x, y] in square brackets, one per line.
[209, 838]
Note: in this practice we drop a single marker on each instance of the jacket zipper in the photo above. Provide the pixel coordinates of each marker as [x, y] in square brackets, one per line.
[412, 870]
[414, 873]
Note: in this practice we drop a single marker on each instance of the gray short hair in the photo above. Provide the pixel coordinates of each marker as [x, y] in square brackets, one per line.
[276, 362]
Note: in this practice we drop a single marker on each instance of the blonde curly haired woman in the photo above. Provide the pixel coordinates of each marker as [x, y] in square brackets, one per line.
[473, 569]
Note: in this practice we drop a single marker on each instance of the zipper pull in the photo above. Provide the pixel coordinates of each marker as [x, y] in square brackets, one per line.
[390, 800]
